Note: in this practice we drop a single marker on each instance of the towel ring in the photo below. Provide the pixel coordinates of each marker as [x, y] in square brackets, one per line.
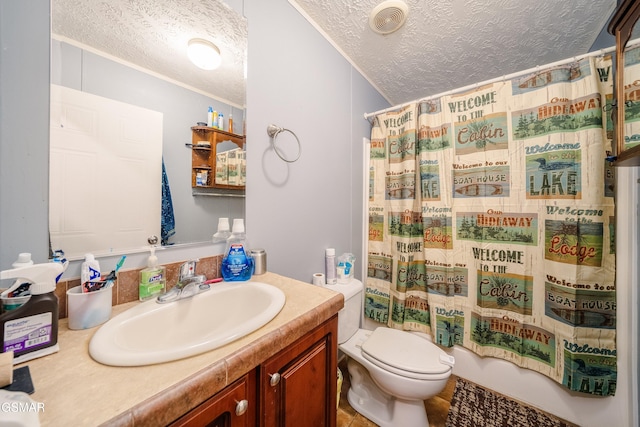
[273, 131]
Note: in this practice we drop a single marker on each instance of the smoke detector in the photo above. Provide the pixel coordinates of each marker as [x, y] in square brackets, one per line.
[388, 16]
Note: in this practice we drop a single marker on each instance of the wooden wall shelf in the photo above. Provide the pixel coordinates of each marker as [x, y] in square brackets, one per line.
[217, 159]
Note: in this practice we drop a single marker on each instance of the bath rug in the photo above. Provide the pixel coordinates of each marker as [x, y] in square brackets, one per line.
[475, 406]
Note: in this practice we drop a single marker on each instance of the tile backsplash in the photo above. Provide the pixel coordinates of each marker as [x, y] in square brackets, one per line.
[126, 287]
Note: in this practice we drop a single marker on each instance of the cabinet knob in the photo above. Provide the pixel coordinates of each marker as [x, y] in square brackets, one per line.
[275, 379]
[241, 407]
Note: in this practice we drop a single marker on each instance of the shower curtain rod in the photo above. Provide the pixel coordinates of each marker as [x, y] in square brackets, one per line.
[499, 79]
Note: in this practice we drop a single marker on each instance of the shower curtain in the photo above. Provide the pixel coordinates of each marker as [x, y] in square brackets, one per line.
[491, 218]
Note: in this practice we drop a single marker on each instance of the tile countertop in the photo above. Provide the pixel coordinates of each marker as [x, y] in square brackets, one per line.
[76, 390]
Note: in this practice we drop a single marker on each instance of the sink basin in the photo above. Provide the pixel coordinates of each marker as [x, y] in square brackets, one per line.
[152, 333]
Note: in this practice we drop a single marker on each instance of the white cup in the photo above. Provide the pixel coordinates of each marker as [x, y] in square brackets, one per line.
[88, 309]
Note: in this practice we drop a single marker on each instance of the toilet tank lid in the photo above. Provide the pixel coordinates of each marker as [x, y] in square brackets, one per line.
[347, 289]
[406, 351]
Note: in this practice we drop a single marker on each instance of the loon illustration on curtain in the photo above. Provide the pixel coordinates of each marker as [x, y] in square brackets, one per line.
[491, 223]
[167, 220]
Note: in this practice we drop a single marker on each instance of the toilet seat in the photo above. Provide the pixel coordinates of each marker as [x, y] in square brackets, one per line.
[405, 354]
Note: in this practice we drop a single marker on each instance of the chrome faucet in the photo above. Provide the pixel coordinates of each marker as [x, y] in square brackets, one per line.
[188, 285]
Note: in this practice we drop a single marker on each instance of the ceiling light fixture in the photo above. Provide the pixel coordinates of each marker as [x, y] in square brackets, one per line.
[388, 16]
[204, 54]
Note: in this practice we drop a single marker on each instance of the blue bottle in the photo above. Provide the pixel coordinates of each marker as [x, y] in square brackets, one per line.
[237, 264]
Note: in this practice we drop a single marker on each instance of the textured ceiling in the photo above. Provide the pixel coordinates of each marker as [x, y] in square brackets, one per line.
[153, 34]
[444, 44]
[448, 44]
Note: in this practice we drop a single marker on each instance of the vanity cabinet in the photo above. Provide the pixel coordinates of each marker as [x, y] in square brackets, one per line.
[295, 387]
[235, 406]
[217, 159]
[298, 385]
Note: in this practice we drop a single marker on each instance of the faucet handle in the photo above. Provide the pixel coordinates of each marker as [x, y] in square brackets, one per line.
[188, 269]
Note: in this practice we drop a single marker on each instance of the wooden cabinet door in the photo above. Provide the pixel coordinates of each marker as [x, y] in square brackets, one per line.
[235, 406]
[299, 383]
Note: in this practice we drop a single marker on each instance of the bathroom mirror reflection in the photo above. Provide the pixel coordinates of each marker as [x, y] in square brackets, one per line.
[96, 58]
[631, 106]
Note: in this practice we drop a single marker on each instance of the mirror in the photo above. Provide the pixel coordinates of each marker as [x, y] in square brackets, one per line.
[135, 53]
[631, 86]
[626, 117]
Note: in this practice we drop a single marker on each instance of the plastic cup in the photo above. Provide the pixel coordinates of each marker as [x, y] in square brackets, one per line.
[88, 309]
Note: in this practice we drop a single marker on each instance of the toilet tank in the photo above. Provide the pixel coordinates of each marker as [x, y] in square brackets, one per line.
[349, 316]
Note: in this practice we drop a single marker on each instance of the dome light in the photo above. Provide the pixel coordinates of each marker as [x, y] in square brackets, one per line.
[204, 54]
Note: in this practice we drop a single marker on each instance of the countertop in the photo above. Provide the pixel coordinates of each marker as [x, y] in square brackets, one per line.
[76, 390]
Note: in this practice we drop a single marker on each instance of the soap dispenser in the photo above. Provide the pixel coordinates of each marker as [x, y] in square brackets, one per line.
[153, 278]
[31, 330]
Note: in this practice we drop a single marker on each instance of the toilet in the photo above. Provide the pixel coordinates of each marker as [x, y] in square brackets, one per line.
[391, 372]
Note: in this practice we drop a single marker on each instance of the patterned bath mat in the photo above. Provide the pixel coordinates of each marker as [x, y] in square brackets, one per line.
[475, 406]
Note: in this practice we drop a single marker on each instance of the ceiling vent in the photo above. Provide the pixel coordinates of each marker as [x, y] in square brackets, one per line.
[388, 16]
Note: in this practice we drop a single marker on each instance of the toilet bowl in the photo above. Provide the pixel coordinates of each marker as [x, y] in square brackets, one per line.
[391, 372]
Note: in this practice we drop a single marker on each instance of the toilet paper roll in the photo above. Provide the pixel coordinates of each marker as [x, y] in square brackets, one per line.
[318, 279]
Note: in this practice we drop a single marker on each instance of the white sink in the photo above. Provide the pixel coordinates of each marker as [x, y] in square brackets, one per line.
[155, 333]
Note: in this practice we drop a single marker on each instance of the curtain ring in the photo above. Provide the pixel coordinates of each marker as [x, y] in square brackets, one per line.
[273, 131]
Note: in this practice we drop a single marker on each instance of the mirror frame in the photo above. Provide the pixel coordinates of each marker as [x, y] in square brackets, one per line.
[621, 26]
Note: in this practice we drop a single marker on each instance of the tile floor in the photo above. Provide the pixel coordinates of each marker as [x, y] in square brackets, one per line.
[437, 407]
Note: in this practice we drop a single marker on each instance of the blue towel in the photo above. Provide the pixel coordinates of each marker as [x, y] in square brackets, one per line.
[167, 220]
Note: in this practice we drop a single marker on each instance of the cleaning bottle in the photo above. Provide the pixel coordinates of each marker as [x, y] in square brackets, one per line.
[31, 330]
[220, 121]
[89, 271]
[237, 264]
[18, 293]
[153, 279]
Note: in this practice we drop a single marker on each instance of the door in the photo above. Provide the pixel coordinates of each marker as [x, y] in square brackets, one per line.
[97, 146]
[299, 384]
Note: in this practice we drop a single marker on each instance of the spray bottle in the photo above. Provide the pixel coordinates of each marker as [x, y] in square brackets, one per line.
[31, 330]
[17, 295]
